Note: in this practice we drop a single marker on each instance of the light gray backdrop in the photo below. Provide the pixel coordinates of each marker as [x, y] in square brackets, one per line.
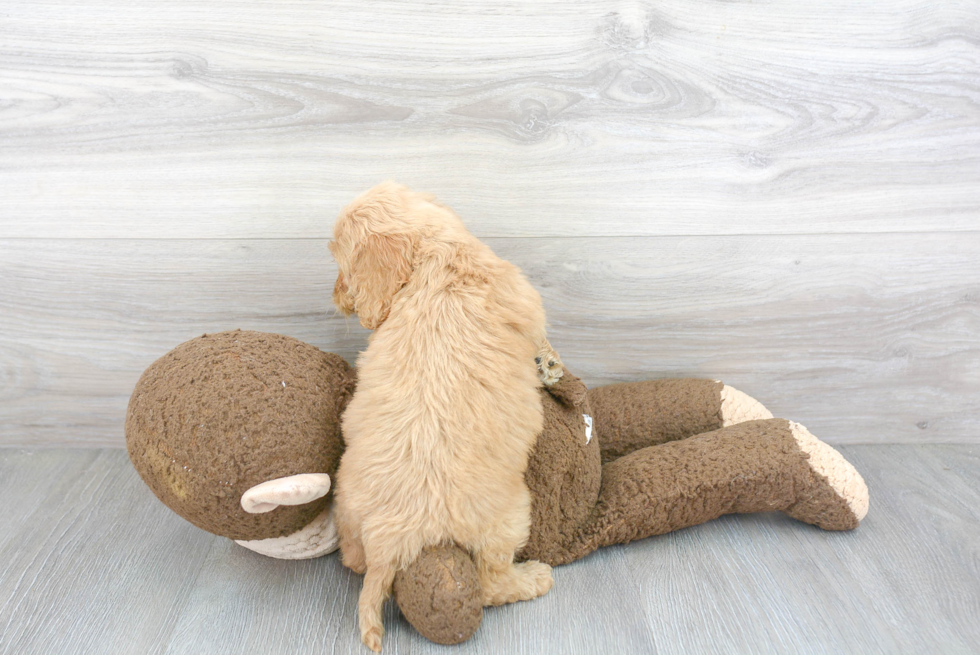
[783, 195]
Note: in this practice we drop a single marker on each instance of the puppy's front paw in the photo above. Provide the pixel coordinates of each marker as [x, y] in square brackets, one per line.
[550, 368]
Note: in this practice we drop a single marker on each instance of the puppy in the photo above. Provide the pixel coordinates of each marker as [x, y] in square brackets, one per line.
[447, 407]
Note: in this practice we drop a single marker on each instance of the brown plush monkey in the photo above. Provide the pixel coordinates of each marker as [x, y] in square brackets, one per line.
[239, 433]
[661, 456]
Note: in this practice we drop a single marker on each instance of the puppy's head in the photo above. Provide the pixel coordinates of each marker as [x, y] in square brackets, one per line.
[374, 240]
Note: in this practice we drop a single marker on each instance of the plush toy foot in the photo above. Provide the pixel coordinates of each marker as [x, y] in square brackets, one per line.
[837, 498]
[318, 538]
[754, 466]
[738, 407]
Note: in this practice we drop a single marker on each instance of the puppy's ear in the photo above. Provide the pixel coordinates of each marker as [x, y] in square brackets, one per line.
[380, 267]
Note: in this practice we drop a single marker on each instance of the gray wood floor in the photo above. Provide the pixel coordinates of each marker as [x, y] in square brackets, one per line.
[93, 563]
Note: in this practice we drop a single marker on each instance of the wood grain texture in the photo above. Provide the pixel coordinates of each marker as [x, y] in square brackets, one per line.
[862, 338]
[246, 603]
[243, 119]
[96, 564]
[280, 607]
[21, 477]
[771, 585]
[99, 565]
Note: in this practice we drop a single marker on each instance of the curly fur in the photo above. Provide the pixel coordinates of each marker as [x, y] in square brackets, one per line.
[446, 409]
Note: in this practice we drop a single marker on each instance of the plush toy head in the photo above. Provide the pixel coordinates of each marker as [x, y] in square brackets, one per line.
[223, 413]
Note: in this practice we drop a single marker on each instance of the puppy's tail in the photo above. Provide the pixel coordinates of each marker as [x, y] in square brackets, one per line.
[377, 587]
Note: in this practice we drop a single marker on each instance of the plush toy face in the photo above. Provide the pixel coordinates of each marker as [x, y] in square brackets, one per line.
[226, 412]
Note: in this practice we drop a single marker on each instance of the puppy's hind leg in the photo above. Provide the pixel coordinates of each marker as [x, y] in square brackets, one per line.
[504, 581]
[376, 588]
[352, 552]
[349, 534]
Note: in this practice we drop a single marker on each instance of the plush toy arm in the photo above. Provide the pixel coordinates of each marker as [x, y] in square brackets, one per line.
[756, 466]
[636, 415]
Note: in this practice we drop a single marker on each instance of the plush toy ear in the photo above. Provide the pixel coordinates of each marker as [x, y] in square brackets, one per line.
[291, 490]
[380, 267]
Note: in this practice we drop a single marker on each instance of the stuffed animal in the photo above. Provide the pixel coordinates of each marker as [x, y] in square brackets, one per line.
[239, 433]
[228, 427]
[628, 461]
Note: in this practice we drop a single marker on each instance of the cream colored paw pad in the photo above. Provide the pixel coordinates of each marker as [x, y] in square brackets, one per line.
[841, 475]
[738, 407]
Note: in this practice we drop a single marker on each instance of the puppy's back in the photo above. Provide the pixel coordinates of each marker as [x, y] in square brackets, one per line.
[447, 407]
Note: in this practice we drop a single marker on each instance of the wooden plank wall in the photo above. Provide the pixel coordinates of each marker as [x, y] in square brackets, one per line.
[782, 195]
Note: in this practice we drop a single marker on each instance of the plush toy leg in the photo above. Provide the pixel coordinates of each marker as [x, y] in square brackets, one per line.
[756, 466]
[635, 415]
[820, 504]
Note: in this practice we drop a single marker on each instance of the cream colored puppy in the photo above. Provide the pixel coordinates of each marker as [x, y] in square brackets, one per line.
[447, 406]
